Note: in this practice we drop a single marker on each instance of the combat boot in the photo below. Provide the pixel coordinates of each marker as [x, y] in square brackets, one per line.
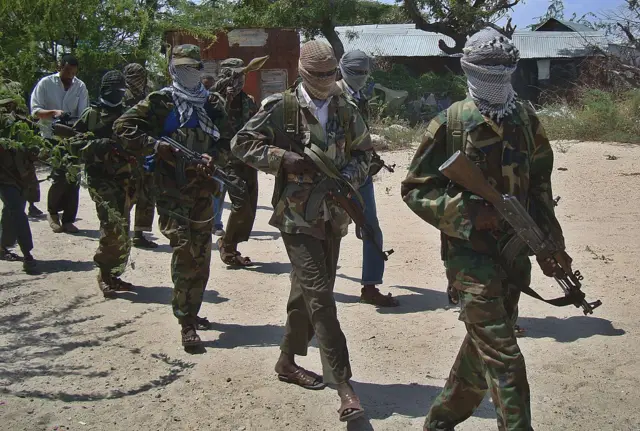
[107, 285]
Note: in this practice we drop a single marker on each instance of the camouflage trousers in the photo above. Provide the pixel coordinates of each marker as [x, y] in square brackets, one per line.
[188, 229]
[243, 213]
[489, 358]
[113, 205]
[311, 309]
[145, 203]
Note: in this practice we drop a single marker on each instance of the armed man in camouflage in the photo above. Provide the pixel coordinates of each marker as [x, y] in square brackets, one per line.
[135, 76]
[182, 112]
[110, 167]
[505, 139]
[354, 69]
[240, 108]
[19, 148]
[316, 117]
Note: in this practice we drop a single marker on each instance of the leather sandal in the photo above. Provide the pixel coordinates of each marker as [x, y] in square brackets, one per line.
[350, 408]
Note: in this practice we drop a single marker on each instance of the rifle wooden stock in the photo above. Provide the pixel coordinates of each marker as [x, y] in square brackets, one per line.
[64, 131]
[462, 171]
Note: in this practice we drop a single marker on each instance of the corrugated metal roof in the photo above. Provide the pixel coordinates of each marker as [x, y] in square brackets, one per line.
[404, 40]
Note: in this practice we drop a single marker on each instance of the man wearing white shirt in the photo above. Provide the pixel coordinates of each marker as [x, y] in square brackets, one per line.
[56, 95]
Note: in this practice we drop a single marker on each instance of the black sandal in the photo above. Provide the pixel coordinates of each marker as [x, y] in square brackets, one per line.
[374, 297]
[190, 337]
[9, 256]
[202, 323]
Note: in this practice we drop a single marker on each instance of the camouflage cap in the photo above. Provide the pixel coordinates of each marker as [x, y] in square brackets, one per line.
[235, 64]
[186, 55]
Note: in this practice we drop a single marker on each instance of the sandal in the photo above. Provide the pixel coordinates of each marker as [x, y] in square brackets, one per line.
[232, 257]
[202, 323]
[190, 337]
[350, 408]
[106, 287]
[9, 256]
[121, 286]
[374, 297]
[303, 378]
[519, 330]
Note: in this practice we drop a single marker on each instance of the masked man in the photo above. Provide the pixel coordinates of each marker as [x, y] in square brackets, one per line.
[506, 140]
[19, 148]
[135, 76]
[240, 108]
[355, 68]
[316, 117]
[185, 190]
[110, 167]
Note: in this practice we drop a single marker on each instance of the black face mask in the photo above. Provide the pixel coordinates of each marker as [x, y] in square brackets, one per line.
[112, 97]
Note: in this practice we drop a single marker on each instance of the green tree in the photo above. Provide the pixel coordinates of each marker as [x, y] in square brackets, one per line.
[624, 22]
[317, 17]
[103, 34]
[458, 18]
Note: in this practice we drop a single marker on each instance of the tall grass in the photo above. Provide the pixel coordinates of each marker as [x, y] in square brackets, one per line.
[596, 115]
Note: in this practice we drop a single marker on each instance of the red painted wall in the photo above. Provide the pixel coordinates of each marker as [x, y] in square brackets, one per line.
[282, 46]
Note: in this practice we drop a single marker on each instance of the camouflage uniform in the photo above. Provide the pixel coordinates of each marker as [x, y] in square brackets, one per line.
[312, 244]
[145, 195]
[110, 168]
[17, 173]
[243, 214]
[185, 209]
[489, 358]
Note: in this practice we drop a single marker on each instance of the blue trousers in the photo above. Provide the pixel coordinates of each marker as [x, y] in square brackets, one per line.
[218, 206]
[14, 224]
[372, 262]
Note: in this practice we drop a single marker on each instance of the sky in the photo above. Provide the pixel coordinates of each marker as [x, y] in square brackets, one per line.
[524, 13]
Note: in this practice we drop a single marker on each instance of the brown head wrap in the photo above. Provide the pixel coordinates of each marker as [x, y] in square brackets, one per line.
[135, 76]
[318, 67]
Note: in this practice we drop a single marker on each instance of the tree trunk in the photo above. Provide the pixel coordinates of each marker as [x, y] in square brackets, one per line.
[328, 30]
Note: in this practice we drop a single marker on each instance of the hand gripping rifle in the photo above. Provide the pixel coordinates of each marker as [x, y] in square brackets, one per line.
[185, 156]
[337, 188]
[465, 173]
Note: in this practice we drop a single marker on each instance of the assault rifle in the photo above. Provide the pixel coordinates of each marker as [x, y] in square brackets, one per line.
[343, 194]
[465, 173]
[186, 156]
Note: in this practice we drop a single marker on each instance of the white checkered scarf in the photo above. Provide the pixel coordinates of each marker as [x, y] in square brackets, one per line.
[490, 85]
[187, 100]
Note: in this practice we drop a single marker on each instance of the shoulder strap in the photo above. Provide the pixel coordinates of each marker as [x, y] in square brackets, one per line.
[345, 117]
[456, 133]
[291, 116]
[528, 132]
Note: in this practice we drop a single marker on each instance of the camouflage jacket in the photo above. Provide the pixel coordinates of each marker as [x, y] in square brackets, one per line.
[147, 119]
[263, 141]
[503, 155]
[362, 102]
[105, 157]
[365, 110]
[16, 159]
[240, 110]
[130, 99]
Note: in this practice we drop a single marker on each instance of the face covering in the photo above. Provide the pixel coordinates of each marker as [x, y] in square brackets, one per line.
[135, 77]
[189, 96]
[318, 67]
[489, 60]
[112, 89]
[354, 67]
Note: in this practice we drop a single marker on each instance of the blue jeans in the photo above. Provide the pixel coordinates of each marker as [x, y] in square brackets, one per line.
[14, 225]
[218, 206]
[372, 262]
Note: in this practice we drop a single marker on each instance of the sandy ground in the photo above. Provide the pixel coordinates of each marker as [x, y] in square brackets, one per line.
[71, 360]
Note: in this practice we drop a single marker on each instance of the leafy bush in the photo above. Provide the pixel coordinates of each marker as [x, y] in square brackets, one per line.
[399, 78]
[596, 115]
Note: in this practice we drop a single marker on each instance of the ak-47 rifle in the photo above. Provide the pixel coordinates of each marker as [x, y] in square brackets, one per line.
[465, 173]
[338, 189]
[186, 156]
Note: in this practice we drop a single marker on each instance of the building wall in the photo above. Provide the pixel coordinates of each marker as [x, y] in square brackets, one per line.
[279, 72]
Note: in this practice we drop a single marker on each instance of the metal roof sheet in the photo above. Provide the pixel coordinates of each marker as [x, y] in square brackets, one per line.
[404, 40]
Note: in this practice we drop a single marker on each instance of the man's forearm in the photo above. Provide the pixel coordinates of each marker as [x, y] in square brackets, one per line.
[45, 114]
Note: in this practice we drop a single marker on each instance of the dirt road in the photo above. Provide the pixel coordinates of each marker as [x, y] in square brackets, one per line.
[72, 360]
